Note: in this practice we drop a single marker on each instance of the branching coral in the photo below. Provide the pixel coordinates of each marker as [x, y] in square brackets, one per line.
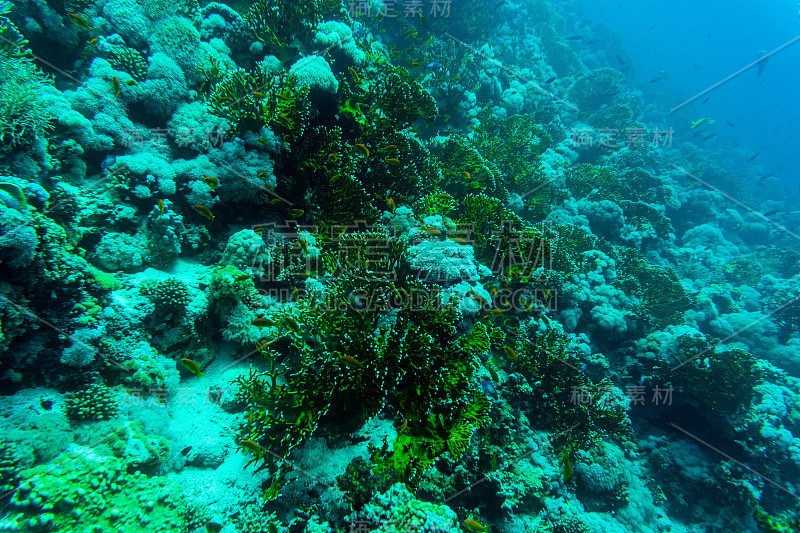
[23, 112]
[97, 402]
[724, 380]
[170, 295]
[584, 178]
[578, 410]
[383, 348]
[277, 22]
[249, 100]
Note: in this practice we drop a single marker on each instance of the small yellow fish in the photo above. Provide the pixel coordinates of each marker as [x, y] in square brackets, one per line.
[393, 161]
[79, 20]
[263, 173]
[131, 83]
[258, 94]
[243, 277]
[431, 231]
[115, 84]
[443, 196]
[259, 230]
[355, 74]
[390, 202]
[292, 323]
[363, 149]
[296, 213]
[94, 41]
[161, 206]
[262, 322]
[283, 119]
[349, 361]
[274, 201]
[478, 298]
[466, 175]
[510, 352]
[303, 245]
[389, 148]
[282, 97]
[472, 525]
[211, 181]
[405, 425]
[415, 63]
[492, 372]
[204, 211]
[697, 123]
[458, 240]
[333, 157]
[252, 446]
[263, 141]
[192, 367]
[567, 472]
[335, 178]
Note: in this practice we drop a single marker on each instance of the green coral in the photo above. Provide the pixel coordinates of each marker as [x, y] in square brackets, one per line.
[768, 523]
[663, 297]
[643, 216]
[570, 524]
[515, 145]
[465, 170]
[96, 402]
[89, 492]
[9, 467]
[584, 178]
[381, 350]
[24, 114]
[595, 89]
[126, 59]
[642, 186]
[252, 99]
[359, 483]
[276, 22]
[401, 99]
[724, 380]
[12, 42]
[552, 369]
[136, 448]
[784, 306]
[170, 295]
[224, 288]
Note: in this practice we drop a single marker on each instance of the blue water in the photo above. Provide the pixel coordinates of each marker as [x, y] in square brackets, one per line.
[700, 43]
